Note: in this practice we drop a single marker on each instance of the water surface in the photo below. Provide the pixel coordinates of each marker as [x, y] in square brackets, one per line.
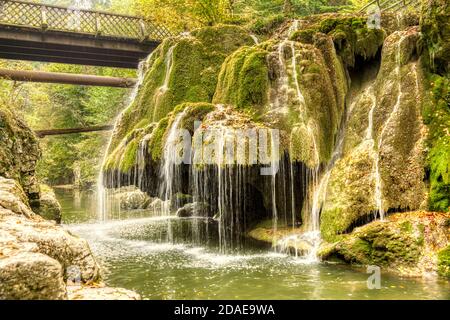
[132, 256]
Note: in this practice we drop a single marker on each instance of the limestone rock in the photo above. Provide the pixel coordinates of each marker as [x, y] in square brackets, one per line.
[135, 199]
[19, 152]
[49, 207]
[22, 232]
[407, 243]
[31, 276]
[192, 209]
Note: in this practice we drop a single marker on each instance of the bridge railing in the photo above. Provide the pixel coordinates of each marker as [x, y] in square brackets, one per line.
[392, 5]
[55, 18]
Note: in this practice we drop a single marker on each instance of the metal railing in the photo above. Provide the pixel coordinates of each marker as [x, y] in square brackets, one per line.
[55, 18]
[392, 5]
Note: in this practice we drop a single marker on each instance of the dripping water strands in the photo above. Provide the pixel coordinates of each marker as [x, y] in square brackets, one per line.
[105, 201]
[378, 181]
[170, 170]
[310, 238]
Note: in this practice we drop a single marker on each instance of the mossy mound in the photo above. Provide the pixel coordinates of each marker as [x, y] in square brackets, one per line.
[350, 34]
[407, 243]
[182, 69]
[244, 80]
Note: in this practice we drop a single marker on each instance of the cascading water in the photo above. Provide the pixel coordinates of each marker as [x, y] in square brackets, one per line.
[394, 112]
[104, 201]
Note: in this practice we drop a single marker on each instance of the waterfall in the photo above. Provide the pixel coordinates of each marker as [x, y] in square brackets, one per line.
[170, 171]
[103, 197]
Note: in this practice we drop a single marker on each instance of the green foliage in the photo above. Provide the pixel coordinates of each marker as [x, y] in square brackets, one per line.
[72, 158]
[266, 25]
[437, 118]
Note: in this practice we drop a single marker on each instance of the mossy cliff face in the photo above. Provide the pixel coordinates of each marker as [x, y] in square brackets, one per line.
[409, 243]
[19, 152]
[435, 26]
[383, 133]
[182, 69]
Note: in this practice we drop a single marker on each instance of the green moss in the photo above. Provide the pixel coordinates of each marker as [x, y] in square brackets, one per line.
[379, 244]
[194, 67]
[129, 156]
[435, 28]
[267, 25]
[352, 38]
[437, 117]
[194, 112]
[244, 80]
[444, 262]
[304, 36]
[406, 227]
[156, 144]
[332, 224]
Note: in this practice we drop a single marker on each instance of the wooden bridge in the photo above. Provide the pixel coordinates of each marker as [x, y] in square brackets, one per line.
[47, 33]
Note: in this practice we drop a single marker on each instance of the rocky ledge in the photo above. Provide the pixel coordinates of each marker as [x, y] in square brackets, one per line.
[38, 258]
[411, 244]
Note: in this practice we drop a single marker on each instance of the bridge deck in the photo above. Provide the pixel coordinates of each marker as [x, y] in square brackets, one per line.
[37, 32]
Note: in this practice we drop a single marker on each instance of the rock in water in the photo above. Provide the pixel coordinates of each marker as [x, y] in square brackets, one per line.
[49, 207]
[412, 244]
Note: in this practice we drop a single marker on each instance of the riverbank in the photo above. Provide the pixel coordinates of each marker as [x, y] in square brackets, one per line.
[39, 260]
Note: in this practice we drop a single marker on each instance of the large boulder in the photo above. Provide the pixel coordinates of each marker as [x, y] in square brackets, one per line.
[31, 276]
[133, 199]
[20, 227]
[49, 207]
[411, 244]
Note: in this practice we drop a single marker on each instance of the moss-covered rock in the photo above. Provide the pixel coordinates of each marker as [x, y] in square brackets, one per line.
[435, 27]
[407, 243]
[444, 262]
[353, 38]
[49, 207]
[384, 131]
[244, 80]
[182, 69]
[19, 152]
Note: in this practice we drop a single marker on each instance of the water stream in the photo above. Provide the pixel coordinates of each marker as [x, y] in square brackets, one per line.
[132, 257]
